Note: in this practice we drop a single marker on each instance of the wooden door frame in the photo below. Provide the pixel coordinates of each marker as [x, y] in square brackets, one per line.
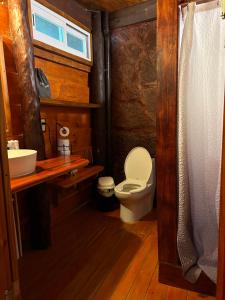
[170, 271]
[8, 252]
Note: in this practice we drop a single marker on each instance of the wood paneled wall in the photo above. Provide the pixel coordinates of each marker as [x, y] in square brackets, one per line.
[134, 91]
[74, 9]
[69, 84]
[12, 78]
[69, 81]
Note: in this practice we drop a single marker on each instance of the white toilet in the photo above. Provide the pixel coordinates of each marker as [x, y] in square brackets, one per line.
[136, 193]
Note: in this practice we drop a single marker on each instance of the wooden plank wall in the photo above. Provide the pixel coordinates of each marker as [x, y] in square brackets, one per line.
[70, 84]
[69, 81]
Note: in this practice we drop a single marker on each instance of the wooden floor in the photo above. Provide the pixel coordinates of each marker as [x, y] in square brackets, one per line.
[95, 256]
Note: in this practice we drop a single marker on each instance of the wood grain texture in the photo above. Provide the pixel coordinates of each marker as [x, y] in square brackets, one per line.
[172, 275]
[24, 61]
[8, 252]
[139, 13]
[12, 79]
[64, 54]
[74, 9]
[119, 261]
[68, 181]
[110, 6]
[134, 91]
[5, 91]
[221, 255]
[61, 12]
[166, 156]
[79, 123]
[68, 104]
[47, 55]
[66, 83]
[4, 17]
[69, 82]
[45, 173]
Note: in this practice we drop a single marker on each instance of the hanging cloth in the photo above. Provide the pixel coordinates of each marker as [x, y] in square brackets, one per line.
[200, 123]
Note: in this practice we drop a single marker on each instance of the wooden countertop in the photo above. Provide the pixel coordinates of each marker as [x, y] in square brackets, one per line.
[48, 169]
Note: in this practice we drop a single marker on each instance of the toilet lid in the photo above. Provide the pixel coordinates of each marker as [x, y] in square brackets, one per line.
[138, 164]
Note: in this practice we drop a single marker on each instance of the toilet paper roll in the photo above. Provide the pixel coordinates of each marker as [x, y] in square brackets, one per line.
[64, 131]
[65, 153]
[65, 142]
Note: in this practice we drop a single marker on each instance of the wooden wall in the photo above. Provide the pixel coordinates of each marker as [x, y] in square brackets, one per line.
[134, 91]
[12, 78]
[69, 81]
[69, 84]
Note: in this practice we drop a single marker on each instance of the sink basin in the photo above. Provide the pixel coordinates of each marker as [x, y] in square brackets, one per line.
[21, 162]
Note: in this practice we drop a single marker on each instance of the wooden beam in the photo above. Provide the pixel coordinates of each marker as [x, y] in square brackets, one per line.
[166, 157]
[24, 60]
[132, 15]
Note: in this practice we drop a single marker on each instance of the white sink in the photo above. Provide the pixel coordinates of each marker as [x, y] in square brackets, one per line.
[21, 162]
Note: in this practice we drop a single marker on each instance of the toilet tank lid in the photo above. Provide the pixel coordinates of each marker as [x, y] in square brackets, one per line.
[138, 164]
[106, 182]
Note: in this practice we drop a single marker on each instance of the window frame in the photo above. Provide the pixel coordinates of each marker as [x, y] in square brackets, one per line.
[68, 24]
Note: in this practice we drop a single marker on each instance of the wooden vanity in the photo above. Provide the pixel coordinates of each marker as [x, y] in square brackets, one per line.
[58, 172]
[47, 170]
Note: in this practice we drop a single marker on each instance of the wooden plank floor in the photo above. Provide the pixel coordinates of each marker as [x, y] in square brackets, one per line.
[95, 256]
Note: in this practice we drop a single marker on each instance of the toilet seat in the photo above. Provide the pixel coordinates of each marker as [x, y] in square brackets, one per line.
[121, 190]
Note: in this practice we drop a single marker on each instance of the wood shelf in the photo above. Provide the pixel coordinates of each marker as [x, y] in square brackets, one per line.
[48, 170]
[63, 103]
[67, 181]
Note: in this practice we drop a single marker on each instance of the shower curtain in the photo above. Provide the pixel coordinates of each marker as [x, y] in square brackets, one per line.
[200, 124]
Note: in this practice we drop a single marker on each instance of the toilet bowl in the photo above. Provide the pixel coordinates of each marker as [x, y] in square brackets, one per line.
[136, 192]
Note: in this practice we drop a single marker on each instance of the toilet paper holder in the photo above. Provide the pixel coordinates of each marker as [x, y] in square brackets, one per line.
[63, 143]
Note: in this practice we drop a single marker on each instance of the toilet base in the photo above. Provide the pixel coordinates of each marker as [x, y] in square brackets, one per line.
[133, 213]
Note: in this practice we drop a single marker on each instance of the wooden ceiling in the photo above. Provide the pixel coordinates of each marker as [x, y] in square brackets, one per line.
[109, 5]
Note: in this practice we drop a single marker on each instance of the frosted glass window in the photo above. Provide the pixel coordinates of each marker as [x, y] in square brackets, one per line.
[50, 29]
[55, 30]
[75, 42]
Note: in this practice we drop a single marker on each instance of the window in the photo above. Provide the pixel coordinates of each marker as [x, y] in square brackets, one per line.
[54, 30]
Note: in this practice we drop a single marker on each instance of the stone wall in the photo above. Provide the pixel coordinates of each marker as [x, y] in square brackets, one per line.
[134, 91]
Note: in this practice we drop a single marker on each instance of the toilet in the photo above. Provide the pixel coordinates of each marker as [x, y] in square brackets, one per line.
[136, 192]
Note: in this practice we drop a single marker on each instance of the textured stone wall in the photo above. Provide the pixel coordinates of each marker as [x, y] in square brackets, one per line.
[134, 91]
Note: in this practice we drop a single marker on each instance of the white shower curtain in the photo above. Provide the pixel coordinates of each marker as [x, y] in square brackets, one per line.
[200, 122]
